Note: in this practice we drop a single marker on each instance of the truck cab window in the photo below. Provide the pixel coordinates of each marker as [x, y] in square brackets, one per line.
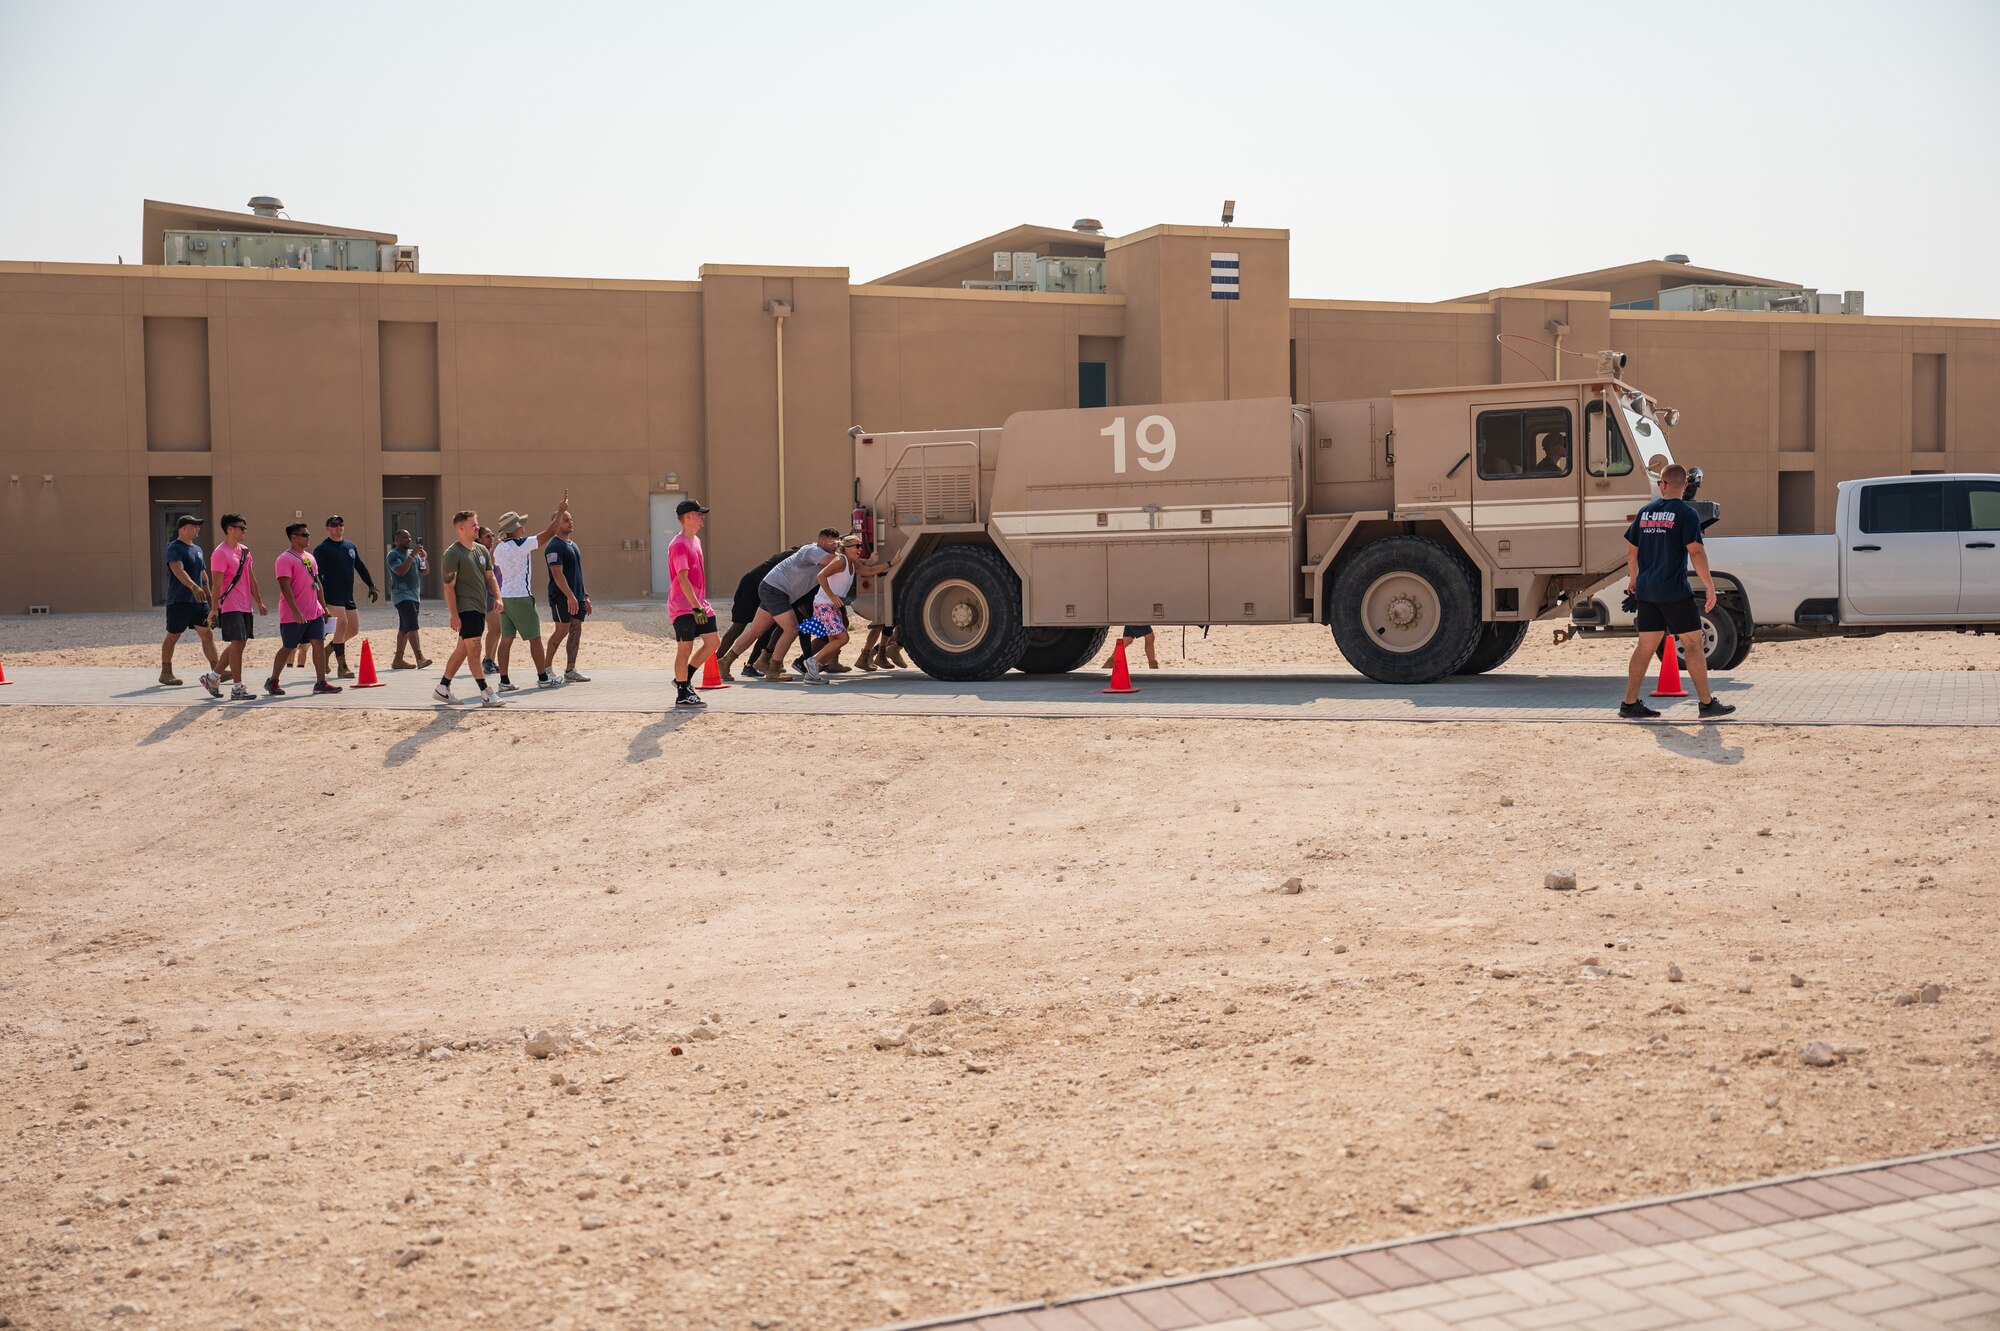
[1903, 507]
[1982, 499]
[1611, 443]
[1525, 444]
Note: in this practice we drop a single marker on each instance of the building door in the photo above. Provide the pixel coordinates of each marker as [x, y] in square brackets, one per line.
[664, 525]
[165, 513]
[1092, 385]
[414, 517]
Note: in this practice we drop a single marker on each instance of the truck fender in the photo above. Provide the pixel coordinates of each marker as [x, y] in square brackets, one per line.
[920, 541]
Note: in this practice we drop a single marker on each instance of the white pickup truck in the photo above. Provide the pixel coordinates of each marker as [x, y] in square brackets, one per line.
[1907, 553]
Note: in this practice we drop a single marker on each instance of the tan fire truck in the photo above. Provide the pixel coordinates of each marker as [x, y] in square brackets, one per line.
[1428, 528]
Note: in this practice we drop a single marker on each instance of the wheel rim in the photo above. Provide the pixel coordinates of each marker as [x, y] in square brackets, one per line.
[1401, 611]
[1707, 636]
[956, 616]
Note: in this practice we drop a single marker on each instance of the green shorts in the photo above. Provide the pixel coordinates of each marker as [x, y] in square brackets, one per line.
[518, 618]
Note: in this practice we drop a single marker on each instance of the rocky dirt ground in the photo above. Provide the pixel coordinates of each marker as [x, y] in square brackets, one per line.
[862, 1021]
[637, 634]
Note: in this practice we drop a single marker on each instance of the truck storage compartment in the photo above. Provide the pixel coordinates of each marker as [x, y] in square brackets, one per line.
[1250, 581]
[1066, 584]
[1154, 580]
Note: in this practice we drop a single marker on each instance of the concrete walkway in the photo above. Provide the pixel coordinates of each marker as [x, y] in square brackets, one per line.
[1775, 697]
[1912, 1244]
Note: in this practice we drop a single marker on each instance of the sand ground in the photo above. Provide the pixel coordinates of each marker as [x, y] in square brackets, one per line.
[637, 634]
[267, 977]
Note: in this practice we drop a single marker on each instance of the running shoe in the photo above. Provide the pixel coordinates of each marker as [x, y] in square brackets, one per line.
[213, 683]
[687, 697]
[1715, 707]
[271, 687]
[322, 686]
[490, 666]
[575, 677]
[750, 669]
[238, 693]
[443, 693]
[1635, 711]
[490, 699]
[815, 673]
[549, 682]
[509, 687]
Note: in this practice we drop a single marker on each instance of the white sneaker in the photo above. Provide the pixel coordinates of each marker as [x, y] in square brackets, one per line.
[490, 699]
[575, 677]
[815, 673]
[442, 693]
[213, 683]
[551, 682]
[506, 687]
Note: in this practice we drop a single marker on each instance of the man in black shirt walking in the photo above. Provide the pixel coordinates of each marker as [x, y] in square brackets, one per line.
[1662, 540]
[569, 603]
[339, 561]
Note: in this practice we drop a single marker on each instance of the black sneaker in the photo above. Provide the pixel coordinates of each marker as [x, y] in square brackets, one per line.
[687, 697]
[1715, 707]
[1635, 711]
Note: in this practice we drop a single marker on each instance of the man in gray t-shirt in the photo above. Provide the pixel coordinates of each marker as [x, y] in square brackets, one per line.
[792, 579]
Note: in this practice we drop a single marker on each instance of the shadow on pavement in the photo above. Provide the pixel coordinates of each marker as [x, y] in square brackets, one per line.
[179, 721]
[410, 746]
[1705, 743]
[645, 744]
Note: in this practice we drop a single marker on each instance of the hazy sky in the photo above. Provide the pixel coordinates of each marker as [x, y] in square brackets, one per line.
[1416, 152]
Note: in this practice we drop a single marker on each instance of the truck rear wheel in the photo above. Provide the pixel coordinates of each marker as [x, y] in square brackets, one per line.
[1405, 610]
[961, 614]
[1059, 651]
[1497, 642]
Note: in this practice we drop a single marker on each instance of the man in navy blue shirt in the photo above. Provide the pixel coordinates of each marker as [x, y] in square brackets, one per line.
[569, 603]
[187, 602]
[339, 560]
[1659, 545]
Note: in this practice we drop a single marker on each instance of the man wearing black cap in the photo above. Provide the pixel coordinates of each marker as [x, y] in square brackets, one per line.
[687, 602]
[339, 560]
[187, 602]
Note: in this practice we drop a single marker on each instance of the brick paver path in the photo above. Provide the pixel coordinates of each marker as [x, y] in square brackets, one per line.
[1776, 697]
[1910, 1245]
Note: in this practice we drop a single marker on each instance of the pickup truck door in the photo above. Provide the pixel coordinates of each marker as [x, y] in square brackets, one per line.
[1899, 557]
[1979, 551]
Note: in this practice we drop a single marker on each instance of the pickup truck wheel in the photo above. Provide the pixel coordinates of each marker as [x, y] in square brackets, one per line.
[1059, 651]
[1720, 639]
[1405, 610]
[961, 615]
[1497, 642]
[1744, 637]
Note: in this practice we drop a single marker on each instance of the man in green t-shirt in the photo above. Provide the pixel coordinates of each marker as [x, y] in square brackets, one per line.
[469, 587]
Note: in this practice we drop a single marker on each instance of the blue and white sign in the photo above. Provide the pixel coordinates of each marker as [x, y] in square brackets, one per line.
[1222, 277]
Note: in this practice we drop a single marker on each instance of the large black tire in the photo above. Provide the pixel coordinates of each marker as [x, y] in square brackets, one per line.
[1405, 610]
[1497, 642]
[959, 614]
[1745, 635]
[1059, 651]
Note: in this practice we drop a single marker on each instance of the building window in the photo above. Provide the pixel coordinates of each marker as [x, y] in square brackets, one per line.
[1633, 305]
[1618, 456]
[1521, 445]
[1091, 384]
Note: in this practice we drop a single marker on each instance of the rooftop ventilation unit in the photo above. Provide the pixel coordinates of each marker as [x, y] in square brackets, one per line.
[267, 205]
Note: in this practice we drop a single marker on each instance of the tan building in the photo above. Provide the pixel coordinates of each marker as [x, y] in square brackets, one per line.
[130, 393]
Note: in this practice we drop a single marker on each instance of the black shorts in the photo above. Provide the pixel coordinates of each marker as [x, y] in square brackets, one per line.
[687, 628]
[298, 635]
[341, 605]
[184, 615]
[559, 611]
[1138, 630]
[471, 625]
[1675, 617]
[406, 616]
[743, 605]
[236, 625]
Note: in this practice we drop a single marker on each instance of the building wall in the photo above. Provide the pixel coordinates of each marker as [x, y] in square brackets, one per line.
[286, 395]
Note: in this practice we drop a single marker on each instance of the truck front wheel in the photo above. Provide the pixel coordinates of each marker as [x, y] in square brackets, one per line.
[1405, 610]
[1497, 642]
[960, 616]
[1059, 651]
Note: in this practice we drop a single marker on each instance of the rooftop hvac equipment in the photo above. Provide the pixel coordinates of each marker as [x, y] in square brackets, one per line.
[258, 249]
[1043, 272]
[398, 259]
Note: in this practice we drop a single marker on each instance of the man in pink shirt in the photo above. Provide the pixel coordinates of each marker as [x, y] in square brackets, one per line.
[301, 616]
[687, 603]
[233, 576]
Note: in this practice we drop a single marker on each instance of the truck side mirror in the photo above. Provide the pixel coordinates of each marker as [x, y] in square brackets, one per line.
[1596, 441]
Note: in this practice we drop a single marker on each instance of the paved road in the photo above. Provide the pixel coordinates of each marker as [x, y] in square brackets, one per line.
[1776, 697]
[1912, 1244]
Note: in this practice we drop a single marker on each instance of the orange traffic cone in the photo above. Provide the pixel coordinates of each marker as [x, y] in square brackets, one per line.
[1668, 685]
[1121, 674]
[711, 674]
[367, 680]
[3, 676]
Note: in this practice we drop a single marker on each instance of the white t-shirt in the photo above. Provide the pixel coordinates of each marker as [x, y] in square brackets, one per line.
[511, 562]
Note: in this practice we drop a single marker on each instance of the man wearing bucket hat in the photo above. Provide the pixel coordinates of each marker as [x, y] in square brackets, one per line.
[513, 561]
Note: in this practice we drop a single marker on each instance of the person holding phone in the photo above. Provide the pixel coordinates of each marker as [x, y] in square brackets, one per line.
[407, 564]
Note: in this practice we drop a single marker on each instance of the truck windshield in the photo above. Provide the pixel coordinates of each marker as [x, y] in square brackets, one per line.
[1650, 440]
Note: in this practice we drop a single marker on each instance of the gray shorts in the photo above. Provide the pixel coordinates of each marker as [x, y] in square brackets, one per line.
[773, 600]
